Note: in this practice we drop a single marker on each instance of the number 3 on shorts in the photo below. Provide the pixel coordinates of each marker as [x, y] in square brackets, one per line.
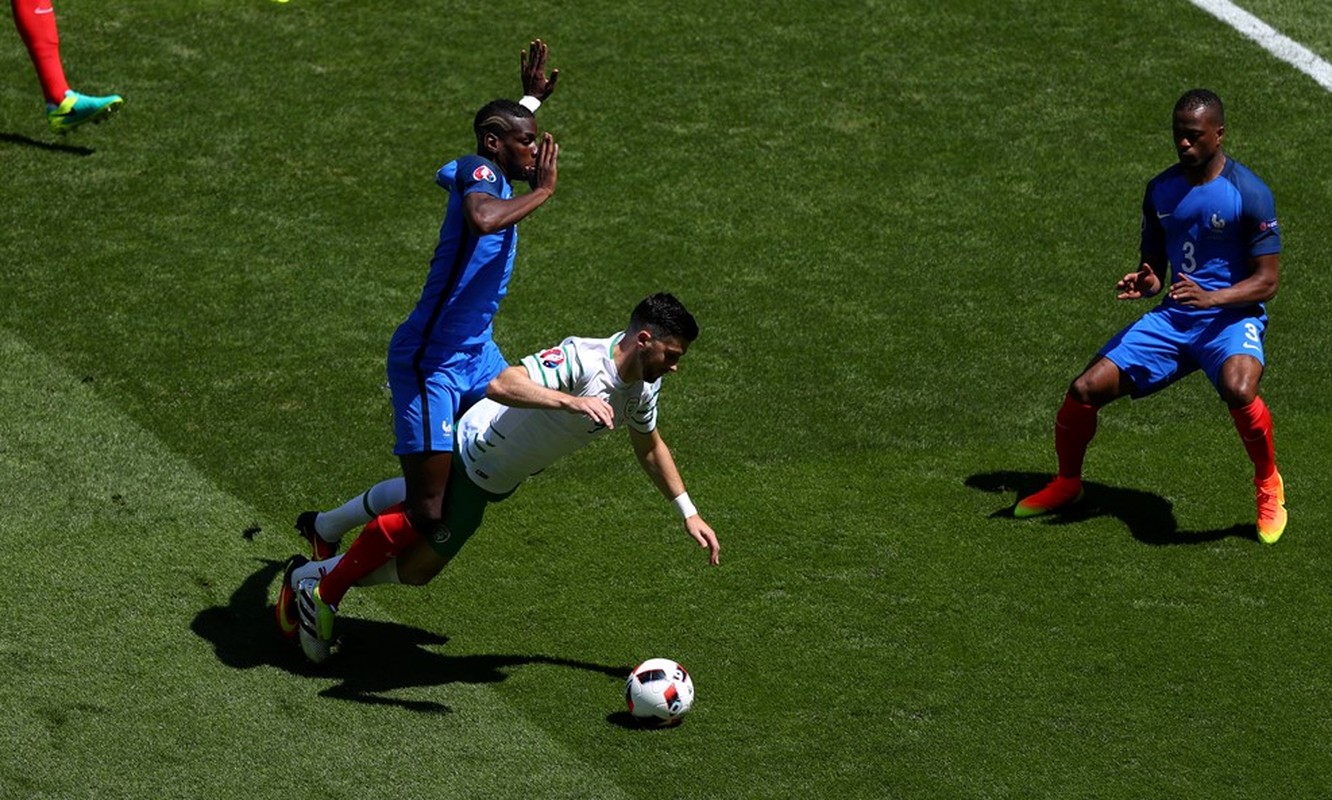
[1251, 334]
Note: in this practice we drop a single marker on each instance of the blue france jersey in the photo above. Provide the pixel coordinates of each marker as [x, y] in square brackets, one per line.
[470, 272]
[1209, 232]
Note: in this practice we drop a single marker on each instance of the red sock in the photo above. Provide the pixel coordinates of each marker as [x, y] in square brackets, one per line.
[384, 538]
[36, 23]
[1075, 425]
[1254, 424]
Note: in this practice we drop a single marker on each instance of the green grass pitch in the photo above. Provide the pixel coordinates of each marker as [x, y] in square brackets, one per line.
[898, 223]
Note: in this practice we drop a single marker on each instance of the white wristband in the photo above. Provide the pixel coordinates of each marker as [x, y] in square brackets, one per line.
[530, 103]
[683, 505]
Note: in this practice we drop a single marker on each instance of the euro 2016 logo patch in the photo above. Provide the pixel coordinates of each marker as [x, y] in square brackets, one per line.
[483, 173]
[1267, 225]
[552, 358]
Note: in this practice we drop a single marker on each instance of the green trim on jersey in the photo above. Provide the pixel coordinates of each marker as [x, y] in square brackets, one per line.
[569, 365]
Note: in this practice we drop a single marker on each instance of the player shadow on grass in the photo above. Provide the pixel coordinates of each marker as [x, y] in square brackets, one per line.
[54, 147]
[1149, 517]
[375, 658]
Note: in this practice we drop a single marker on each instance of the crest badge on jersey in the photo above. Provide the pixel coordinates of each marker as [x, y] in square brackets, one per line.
[552, 358]
[483, 173]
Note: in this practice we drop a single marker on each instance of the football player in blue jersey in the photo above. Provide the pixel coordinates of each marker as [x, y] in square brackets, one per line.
[1210, 225]
[442, 356]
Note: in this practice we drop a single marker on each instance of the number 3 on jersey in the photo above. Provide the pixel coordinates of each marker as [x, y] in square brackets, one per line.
[1189, 264]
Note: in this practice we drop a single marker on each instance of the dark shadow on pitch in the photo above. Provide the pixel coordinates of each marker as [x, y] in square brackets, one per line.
[1149, 517]
[374, 658]
[53, 147]
[623, 719]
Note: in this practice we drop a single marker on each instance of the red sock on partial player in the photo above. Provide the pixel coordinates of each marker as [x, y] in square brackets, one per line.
[36, 23]
[384, 538]
[1075, 425]
[1254, 424]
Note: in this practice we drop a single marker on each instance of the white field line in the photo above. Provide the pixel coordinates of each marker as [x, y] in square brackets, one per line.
[1271, 40]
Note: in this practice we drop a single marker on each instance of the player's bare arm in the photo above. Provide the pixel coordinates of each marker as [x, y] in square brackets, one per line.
[1143, 283]
[487, 214]
[513, 387]
[533, 70]
[656, 460]
[1259, 287]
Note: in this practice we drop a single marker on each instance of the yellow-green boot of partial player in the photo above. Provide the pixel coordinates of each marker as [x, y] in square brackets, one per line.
[77, 109]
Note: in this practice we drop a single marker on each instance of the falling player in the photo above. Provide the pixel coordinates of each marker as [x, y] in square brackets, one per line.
[555, 402]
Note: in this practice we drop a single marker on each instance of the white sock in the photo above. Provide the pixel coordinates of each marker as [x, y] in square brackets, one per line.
[356, 512]
[387, 573]
[314, 569]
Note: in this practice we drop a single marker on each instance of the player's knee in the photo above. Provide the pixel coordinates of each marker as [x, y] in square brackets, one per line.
[413, 576]
[1239, 379]
[1100, 383]
[426, 515]
[420, 570]
[1239, 393]
[1086, 390]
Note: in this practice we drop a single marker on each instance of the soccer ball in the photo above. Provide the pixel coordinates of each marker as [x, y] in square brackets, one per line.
[659, 692]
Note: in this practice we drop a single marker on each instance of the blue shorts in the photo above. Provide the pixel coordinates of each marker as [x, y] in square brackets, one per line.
[432, 387]
[1167, 343]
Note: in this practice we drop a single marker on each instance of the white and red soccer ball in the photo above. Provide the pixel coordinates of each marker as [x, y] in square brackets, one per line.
[659, 692]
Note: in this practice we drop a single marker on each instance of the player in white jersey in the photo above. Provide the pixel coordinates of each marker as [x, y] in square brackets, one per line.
[502, 445]
[551, 404]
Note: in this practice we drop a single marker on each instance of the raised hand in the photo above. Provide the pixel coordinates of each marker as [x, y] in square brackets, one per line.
[1136, 285]
[533, 62]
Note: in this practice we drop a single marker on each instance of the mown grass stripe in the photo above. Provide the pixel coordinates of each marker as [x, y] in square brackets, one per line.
[1270, 39]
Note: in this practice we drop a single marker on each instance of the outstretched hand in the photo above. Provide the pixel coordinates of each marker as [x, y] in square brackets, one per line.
[1136, 285]
[702, 533]
[533, 62]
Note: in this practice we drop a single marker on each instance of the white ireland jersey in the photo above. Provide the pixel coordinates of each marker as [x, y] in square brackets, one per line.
[501, 446]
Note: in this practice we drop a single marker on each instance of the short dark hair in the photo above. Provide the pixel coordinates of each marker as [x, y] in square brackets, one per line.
[498, 117]
[1201, 98]
[664, 316]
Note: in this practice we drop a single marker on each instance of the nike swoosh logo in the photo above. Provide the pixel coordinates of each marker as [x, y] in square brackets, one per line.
[43, 10]
[1159, 215]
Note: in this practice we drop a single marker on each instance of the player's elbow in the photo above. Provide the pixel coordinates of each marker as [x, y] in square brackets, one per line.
[484, 224]
[495, 391]
[506, 387]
